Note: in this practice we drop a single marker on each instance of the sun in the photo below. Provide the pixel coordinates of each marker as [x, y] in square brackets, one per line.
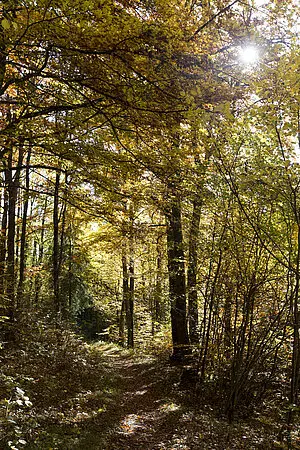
[249, 54]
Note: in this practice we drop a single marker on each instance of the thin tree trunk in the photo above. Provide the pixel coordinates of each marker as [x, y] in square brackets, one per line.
[57, 305]
[296, 341]
[64, 306]
[3, 237]
[38, 279]
[211, 305]
[128, 278]
[13, 185]
[17, 237]
[122, 322]
[192, 272]
[41, 246]
[227, 322]
[158, 284]
[23, 232]
[70, 273]
[131, 299]
[3, 57]
[10, 272]
[126, 300]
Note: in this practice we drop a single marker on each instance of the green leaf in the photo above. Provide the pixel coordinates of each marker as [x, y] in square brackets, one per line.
[5, 23]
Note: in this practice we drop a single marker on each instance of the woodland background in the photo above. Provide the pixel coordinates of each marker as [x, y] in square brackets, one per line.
[150, 188]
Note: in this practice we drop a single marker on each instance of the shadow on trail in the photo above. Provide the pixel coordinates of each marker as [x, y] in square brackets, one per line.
[134, 403]
[129, 403]
[142, 414]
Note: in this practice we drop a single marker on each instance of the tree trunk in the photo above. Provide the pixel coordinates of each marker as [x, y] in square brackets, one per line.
[227, 323]
[13, 185]
[17, 236]
[158, 285]
[38, 279]
[3, 236]
[3, 56]
[192, 272]
[70, 272]
[131, 302]
[127, 300]
[296, 341]
[64, 305]
[177, 284]
[57, 305]
[122, 322]
[23, 232]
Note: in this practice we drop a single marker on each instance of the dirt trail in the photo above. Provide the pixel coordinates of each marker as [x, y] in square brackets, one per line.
[144, 413]
[149, 411]
[136, 403]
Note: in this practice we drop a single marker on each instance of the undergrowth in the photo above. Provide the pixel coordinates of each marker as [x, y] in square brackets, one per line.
[48, 378]
[53, 385]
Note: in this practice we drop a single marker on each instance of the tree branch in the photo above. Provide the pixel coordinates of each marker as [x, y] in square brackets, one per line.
[219, 13]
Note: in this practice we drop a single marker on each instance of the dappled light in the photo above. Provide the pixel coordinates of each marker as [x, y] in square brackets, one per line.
[114, 400]
[131, 423]
[169, 407]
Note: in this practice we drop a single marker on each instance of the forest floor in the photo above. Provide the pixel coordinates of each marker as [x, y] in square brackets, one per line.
[109, 399]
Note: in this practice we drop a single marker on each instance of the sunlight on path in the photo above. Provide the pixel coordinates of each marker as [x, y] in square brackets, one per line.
[135, 402]
[131, 423]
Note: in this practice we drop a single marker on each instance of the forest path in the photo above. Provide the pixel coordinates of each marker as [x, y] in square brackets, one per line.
[144, 409]
[134, 402]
